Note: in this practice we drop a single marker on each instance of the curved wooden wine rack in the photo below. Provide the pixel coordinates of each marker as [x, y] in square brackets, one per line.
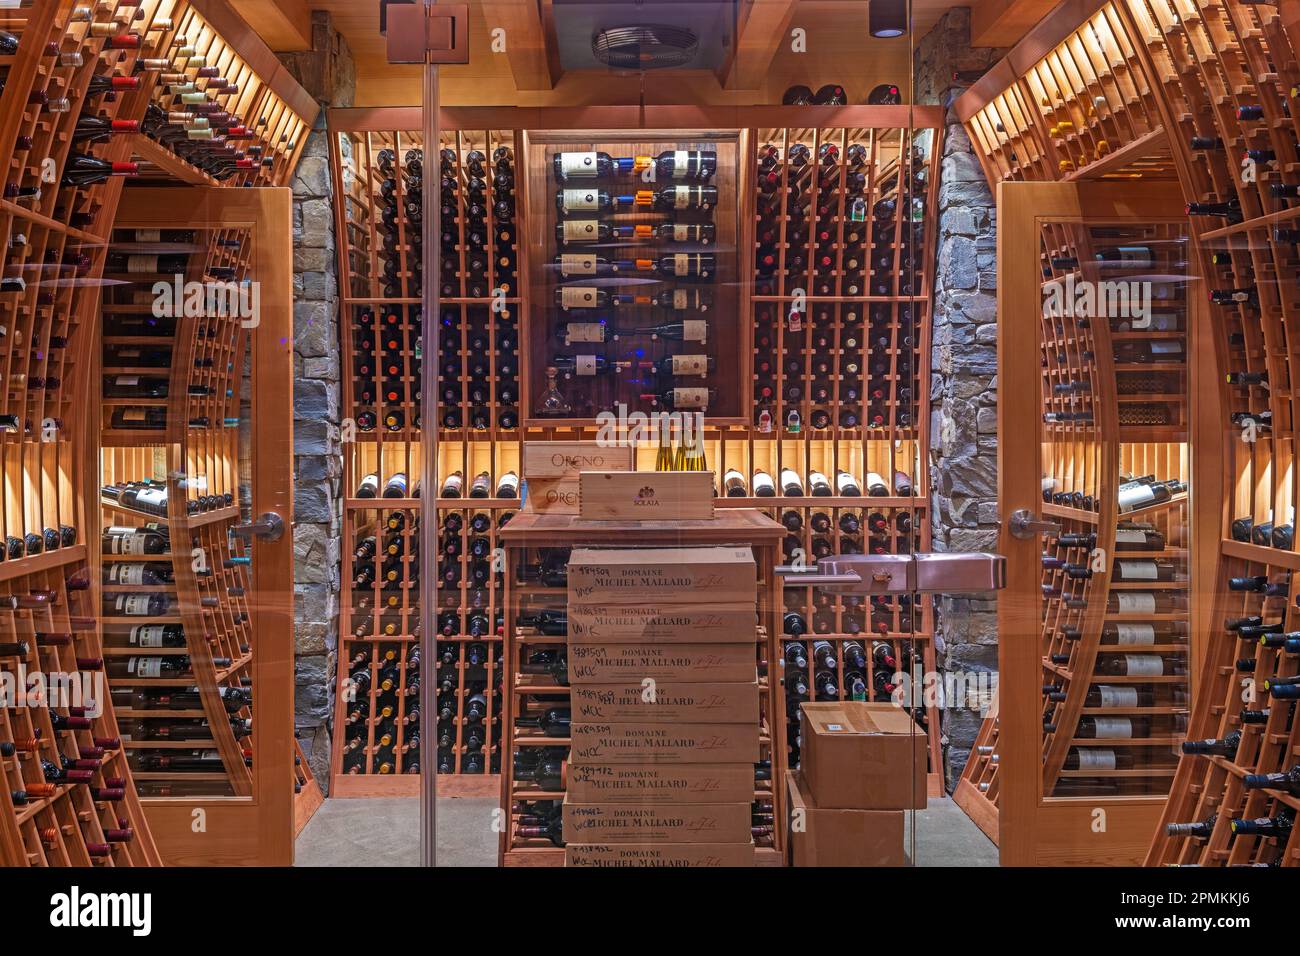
[1153, 75]
[898, 442]
[57, 235]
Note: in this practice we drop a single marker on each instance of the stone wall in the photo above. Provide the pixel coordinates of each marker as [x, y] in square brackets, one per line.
[963, 387]
[327, 72]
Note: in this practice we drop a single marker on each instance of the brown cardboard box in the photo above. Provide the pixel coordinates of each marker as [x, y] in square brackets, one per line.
[657, 823]
[821, 837]
[568, 459]
[632, 623]
[612, 577]
[641, 742]
[656, 784]
[680, 663]
[646, 495]
[666, 701]
[862, 756]
[659, 854]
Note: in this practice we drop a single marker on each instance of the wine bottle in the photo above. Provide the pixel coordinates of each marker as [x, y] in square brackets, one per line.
[369, 487]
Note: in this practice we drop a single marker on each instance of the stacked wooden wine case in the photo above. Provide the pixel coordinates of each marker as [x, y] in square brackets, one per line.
[52, 364]
[750, 431]
[1148, 91]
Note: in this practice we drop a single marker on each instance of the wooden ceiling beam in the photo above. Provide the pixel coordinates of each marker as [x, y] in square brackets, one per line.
[1003, 23]
[529, 41]
[764, 26]
[283, 25]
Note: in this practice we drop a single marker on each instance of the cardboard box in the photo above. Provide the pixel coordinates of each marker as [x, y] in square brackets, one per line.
[664, 701]
[646, 495]
[705, 855]
[656, 623]
[655, 784]
[640, 742]
[682, 663]
[568, 459]
[554, 496]
[657, 823]
[856, 755]
[819, 837]
[608, 577]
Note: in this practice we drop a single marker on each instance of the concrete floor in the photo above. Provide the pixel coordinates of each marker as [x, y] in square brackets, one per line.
[386, 832]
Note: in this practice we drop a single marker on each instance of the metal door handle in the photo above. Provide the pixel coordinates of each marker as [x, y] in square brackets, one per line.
[269, 526]
[1025, 524]
[943, 573]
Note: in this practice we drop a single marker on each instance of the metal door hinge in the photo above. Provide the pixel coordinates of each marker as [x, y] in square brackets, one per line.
[435, 34]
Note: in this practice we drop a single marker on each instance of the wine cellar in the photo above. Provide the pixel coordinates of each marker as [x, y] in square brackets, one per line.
[851, 274]
[735, 433]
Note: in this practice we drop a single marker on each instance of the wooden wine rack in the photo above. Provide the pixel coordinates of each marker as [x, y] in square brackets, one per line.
[1161, 73]
[48, 352]
[897, 443]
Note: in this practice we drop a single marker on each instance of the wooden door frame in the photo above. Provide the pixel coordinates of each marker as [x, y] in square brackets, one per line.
[256, 830]
[1032, 833]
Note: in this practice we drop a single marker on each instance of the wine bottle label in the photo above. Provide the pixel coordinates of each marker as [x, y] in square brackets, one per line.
[584, 364]
[127, 574]
[574, 264]
[763, 485]
[578, 297]
[690, 365]
[126, 381]
[1116, 697]
[682, 232]
[580, 200]
[1130, 536]
[1135, 634]
[145, 666]
[1094, 758]
[683, 263]
[152, 497]
[1137, 570]
[584, 332]
[128, 544]
[578, 164]
[1139, 602]
[690, 398]
[132, 604]
[147, 635]
[682, 197]
[148, 235]
[1117, 727]
[138, 263]
[581, 230]
[695, 330]
[1144, 665]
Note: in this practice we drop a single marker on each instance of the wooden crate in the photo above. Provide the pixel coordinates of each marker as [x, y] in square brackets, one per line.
[528, 536]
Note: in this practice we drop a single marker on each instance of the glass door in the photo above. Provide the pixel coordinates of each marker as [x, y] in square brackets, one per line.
[1096, 647]
[671, 280]
[195, 490]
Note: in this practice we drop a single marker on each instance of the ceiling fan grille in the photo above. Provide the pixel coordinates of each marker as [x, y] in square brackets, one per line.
[651, 46]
